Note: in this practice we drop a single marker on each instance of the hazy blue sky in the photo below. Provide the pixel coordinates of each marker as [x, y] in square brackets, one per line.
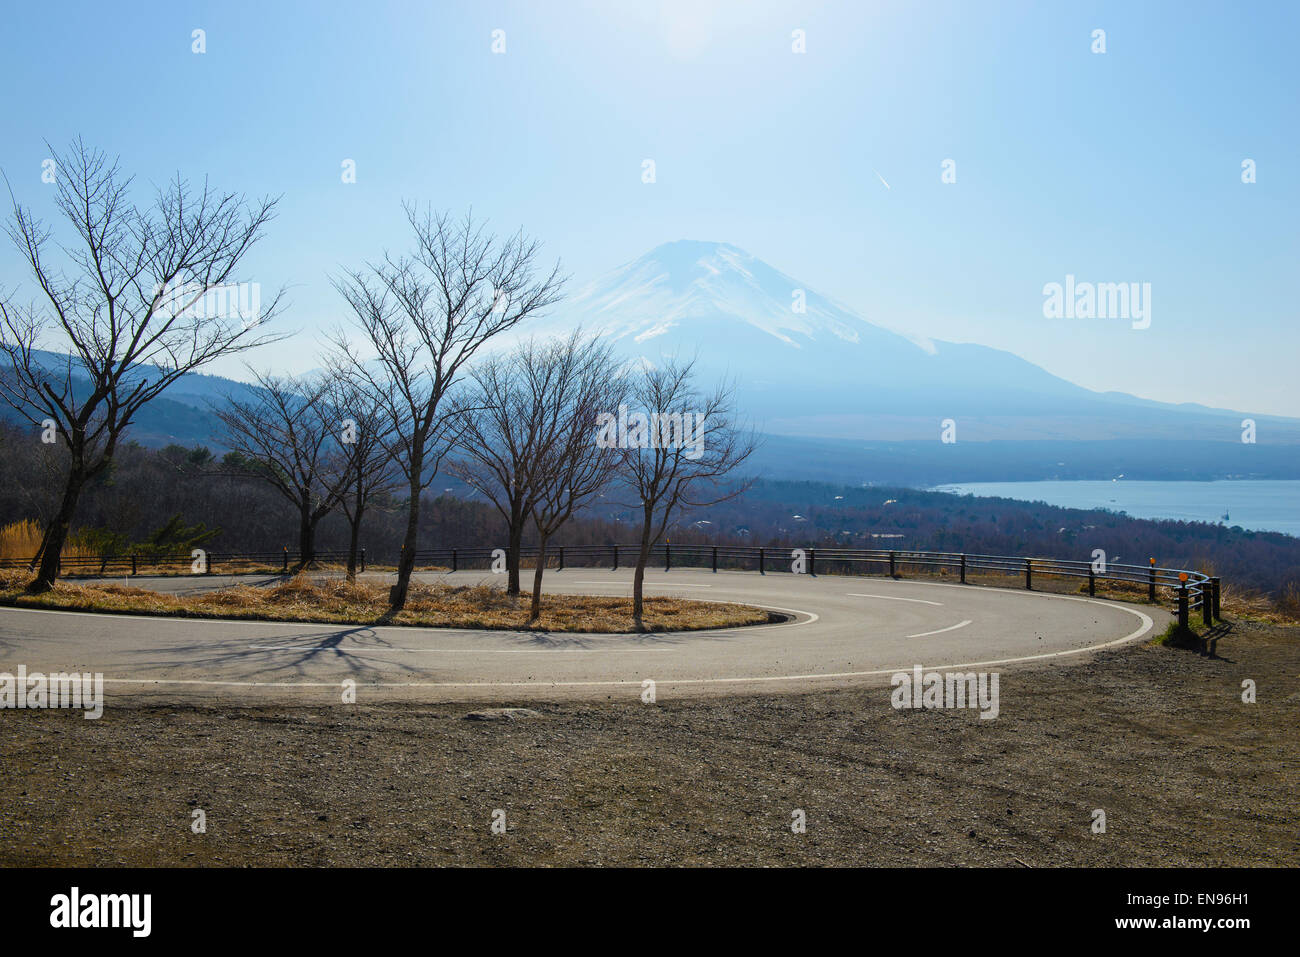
[1122, 166]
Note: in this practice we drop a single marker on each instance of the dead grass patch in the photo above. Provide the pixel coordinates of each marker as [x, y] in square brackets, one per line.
[337, 601]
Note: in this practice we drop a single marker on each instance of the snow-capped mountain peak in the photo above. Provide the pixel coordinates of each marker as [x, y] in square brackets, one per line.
[689, 282]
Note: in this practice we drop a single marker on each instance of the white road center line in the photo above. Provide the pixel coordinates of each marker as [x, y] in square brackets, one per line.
[648, 584]
[925, 634]
[919, 601]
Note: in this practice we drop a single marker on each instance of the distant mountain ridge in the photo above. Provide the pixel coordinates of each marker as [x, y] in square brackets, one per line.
[809, 366]
[844, 399]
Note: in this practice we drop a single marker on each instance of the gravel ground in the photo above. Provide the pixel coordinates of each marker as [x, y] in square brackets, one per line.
[1158, 738]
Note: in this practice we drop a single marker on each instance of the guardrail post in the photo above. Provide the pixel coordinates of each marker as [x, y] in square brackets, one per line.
[715, 558]
[1151, 582]
[1092, 583]
[363, 560]
[1182, 606]
[1029, 574]
[812, 561]
[891, 566]
[1214, 589]
[963, 569]
[615, 558]
[286, 559]
[761, 570]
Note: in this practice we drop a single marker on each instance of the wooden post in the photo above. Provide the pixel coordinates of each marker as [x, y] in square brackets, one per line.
[1182, 605]
[963, 569]
[668, 556]
[1207, 605]
[1214, 583]
[1151, 582]
[615, 558]
[286, 559]
[363, 560]
[891, 566]
[715, 558]
[1029, 574]
[453, 559]
[133, 563]
[812, 561]
[1092, 582]
[561, 568]
[761, 571]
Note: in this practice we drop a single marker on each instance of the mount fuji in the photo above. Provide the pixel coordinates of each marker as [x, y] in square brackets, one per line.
[826, 372]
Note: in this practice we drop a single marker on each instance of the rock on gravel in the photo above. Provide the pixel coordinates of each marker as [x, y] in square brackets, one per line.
[503, 714]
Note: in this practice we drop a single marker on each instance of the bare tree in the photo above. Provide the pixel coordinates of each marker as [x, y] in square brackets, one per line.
[576, 380]
[133, 300]
[511, 416]
[426, 315]
[498, 446]
[364, 460]
[677, 448]
[282, 435]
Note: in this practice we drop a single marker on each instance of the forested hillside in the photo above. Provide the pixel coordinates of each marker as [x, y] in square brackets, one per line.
[145, 488]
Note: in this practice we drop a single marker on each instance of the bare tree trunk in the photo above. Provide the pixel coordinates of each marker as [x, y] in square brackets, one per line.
[353, 543]
[638, 577]
[40, 549]
[406, 563]
[535, 610]
[306, 535]
[355, 520]
[56, 533]
[513, 547]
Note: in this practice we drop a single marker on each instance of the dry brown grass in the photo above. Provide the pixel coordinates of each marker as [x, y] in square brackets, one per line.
[20, 540]
[337, 601]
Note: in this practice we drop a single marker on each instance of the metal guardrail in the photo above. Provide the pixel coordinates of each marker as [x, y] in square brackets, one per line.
[1192, 591]
[131, 563]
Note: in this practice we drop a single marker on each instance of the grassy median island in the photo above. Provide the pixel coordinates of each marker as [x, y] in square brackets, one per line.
[337, 601]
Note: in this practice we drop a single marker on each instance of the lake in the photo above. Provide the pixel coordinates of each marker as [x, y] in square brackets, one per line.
[1272, 506]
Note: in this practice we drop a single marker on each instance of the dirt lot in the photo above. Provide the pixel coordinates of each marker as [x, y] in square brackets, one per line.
[1158, 738]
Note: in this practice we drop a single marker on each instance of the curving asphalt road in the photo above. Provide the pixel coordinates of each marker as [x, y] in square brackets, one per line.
[843, 630]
